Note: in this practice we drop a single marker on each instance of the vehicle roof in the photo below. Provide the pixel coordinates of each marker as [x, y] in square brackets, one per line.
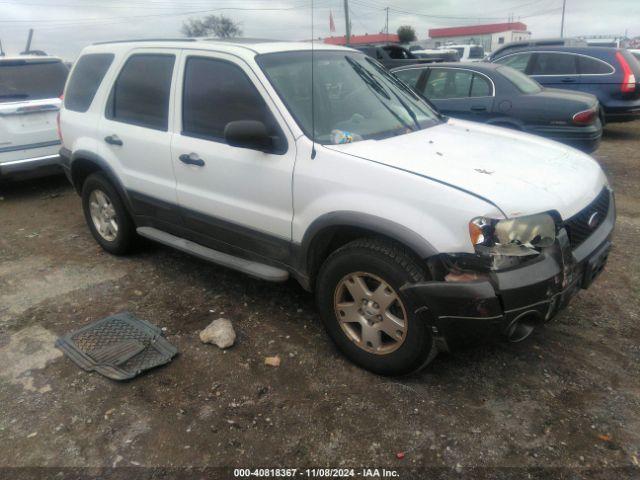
[585, 50]
[241, 47]
[34, 58]
[477, 66]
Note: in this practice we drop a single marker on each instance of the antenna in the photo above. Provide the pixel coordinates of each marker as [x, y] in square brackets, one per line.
[29, 38]
[1, 49]
[313, 95]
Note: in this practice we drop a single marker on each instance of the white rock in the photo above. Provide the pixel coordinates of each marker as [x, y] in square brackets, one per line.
[220, 332]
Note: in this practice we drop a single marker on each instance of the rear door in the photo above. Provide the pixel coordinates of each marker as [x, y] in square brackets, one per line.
[555, 70]
[30, 90]
[134, 132]
[459, 93]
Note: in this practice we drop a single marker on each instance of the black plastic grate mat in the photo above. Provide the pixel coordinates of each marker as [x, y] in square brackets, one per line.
[119, 347]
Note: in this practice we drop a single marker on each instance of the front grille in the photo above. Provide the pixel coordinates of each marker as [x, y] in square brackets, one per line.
[578, 227]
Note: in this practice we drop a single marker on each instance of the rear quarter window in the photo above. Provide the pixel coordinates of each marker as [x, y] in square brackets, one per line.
[593, 66]
[31, 79]
[85, 80]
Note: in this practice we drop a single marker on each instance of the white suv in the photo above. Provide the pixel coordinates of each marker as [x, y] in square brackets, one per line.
[416, 232]
[30, 89]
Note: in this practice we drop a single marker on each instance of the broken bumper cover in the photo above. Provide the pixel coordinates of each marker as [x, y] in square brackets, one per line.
[472, 312]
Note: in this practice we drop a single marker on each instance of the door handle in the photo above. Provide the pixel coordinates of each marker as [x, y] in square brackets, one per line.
[191, 159]
[568, 80]
[479, 108]
[113, 140]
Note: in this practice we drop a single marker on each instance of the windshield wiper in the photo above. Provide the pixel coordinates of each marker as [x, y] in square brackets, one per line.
[377, 87]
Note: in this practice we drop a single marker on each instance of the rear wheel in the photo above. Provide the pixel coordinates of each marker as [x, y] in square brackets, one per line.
[366, 314]
[106, 215]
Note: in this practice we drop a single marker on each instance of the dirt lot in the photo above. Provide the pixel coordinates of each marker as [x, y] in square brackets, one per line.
[568, 398]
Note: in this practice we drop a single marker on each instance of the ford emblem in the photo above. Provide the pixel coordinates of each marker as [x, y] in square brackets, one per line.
[594, 220]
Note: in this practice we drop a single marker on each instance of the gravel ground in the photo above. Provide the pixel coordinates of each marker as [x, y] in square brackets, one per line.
[565, 401]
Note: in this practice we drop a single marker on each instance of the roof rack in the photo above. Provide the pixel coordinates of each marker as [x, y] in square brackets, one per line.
[140, 40]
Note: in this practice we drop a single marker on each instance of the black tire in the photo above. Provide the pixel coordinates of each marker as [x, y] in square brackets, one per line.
[396, 266]
[125, 237]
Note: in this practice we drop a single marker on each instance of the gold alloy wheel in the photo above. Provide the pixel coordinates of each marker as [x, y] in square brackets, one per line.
[370, 313]
[103, 215]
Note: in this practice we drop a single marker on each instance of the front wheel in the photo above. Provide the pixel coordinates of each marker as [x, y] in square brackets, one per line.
[366, 314]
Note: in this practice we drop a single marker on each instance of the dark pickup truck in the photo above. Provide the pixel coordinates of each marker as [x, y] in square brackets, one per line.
[392, 56]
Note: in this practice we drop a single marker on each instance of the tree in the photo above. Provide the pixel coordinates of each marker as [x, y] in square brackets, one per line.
[216, 25]
[406, 34]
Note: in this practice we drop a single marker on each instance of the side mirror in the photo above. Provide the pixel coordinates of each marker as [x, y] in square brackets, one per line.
[249, 134]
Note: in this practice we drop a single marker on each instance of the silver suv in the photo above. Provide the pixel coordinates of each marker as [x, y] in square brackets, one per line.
[30, 90]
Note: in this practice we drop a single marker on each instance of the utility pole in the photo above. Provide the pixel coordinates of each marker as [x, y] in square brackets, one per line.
[386, 25]
[347, 22]
[564, 5]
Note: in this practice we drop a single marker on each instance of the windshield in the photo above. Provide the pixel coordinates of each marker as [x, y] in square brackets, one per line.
[354, 97]
[522, 82]
[31, 80]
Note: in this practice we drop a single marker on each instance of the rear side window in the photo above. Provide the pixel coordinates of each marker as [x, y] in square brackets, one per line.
[548, 63]
[480, 87]
[444, 83]
[217, 92]
[518, 61]
[593, 66]
[86, 78]
[140, 95]
[31, 79]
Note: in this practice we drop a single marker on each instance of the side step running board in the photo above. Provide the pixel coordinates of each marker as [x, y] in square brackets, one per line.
[255, 269]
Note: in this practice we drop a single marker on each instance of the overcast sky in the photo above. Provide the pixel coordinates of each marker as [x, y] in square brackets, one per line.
[63, 27]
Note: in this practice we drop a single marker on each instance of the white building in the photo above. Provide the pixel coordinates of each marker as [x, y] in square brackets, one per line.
[490, 36]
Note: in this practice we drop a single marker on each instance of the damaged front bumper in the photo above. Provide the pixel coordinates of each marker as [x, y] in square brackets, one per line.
[510, 303]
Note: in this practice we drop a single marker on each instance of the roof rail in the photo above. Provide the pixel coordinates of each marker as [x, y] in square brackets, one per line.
[139, 40]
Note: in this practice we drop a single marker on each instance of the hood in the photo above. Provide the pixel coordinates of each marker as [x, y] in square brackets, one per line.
[519, 173]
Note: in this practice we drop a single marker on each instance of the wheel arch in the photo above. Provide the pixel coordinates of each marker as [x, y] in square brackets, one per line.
[335, 229]
[84, 163]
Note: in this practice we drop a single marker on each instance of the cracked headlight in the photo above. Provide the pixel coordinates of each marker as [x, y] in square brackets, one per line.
[515, 237]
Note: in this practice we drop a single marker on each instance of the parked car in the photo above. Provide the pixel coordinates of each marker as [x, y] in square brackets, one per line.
[413, 231]
[499, 95]
[467, 53]
[611, 74]
[438, 55]
[391, 55]
[536, 42]
[30, 89]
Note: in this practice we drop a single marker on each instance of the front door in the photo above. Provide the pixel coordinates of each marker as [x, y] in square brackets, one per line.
[239, 199]
[459, 93]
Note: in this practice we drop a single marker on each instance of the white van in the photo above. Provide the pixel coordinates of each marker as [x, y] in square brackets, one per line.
[30, 89]
[414, 231]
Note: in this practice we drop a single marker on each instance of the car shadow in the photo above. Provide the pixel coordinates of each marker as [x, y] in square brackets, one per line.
[613, 133]
[44, 186]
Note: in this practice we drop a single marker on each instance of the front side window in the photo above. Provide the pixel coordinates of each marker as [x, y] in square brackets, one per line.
[410, 77]
[141, 93]
[86, 78]
[354, 98]
[518, 61]
[476, 52]
[27, 79]
[549, 63]
[217, 92]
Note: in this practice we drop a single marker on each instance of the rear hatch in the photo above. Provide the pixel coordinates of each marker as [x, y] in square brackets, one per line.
[30, 89]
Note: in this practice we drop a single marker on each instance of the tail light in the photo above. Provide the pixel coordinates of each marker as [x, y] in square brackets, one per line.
[58, 121]
[58, 124]
[586, 117]
[629, 79]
